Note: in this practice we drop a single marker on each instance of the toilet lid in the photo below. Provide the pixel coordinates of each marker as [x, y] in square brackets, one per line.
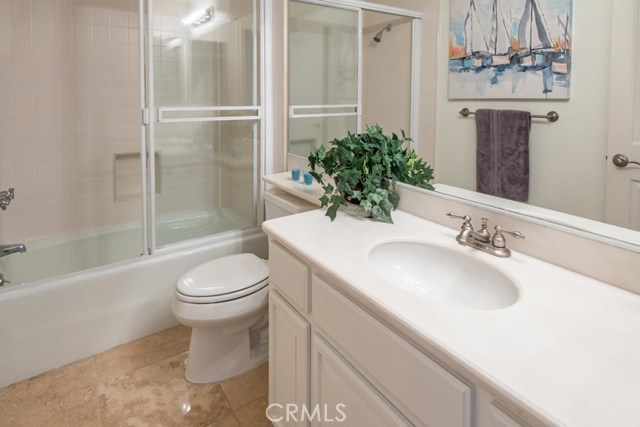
[223, 276]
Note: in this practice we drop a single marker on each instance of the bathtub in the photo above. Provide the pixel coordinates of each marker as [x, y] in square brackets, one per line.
[48, 323]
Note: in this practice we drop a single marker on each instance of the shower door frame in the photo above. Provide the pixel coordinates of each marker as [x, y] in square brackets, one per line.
[151, 114]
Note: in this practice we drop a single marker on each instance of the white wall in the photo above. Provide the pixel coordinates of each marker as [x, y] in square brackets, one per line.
[567, 157]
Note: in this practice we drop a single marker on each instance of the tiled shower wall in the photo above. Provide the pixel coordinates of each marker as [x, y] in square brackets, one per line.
[68, 102]
[386, 80]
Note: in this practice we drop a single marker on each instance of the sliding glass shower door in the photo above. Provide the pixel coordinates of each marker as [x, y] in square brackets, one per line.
[205, 134]
[125, 125]
[323, 74]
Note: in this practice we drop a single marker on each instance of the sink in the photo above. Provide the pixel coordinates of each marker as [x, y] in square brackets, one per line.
[443, 275]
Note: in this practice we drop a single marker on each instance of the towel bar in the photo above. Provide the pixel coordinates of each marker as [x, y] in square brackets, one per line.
[552, 116]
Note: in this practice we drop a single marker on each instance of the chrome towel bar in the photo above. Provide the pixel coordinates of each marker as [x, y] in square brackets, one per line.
[552, 116]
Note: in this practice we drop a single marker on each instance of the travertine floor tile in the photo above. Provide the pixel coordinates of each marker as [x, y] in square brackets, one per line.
[248, 387]
[79, 409]
[58, 396]
[137, 384]
[143, 352]
[254, 415]
[158, 395]
[72, 378]
[228, 421]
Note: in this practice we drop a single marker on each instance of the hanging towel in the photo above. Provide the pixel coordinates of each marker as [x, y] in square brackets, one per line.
[502, 153]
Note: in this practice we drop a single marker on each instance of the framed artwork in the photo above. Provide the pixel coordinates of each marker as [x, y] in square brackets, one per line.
[510, 49]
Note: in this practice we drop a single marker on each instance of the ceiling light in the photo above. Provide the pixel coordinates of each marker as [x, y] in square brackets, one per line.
[201, 17]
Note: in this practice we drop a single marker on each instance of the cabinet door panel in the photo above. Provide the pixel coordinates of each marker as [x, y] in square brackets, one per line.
[420, 387]
[289, 336]
[339, 396]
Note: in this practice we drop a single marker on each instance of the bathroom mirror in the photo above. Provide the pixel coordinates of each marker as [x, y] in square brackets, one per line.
[570, 159]
[340, 58]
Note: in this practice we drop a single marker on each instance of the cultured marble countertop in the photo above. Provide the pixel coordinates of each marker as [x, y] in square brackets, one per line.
[567, 350]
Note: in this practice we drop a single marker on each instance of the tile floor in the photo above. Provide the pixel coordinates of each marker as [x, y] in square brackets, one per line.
[137, 384]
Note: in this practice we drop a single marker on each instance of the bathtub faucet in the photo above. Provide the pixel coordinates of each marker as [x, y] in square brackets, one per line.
[12, 249]
[6, 197]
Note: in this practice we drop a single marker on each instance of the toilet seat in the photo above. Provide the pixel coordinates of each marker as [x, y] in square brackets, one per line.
[223, 279]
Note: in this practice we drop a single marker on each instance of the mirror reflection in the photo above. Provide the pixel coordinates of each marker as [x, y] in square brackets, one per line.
[573, 180]
[338, 73]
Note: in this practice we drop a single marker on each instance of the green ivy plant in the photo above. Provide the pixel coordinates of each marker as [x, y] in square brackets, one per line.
[364, 168]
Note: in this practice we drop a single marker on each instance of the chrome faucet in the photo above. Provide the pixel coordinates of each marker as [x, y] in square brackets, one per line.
[6, 197]
[482, 239]
[12, 249]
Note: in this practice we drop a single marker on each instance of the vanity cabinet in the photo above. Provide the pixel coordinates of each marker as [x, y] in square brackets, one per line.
[337, 363]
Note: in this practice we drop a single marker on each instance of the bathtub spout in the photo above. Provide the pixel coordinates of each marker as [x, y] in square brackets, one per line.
[12, 249]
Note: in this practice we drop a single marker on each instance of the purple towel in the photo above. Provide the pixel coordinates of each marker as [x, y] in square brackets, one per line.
[502, 153]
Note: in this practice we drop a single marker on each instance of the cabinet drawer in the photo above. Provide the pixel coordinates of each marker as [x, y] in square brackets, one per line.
[422, 389]
[290, 276]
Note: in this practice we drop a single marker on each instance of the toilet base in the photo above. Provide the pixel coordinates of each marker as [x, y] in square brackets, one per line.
[218, 354]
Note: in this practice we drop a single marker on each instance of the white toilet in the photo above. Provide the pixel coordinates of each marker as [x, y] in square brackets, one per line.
[224, 301]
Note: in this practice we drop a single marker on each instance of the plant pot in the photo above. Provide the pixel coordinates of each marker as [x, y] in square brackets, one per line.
[355, 210]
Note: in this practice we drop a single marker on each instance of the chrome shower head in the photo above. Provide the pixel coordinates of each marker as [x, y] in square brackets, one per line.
[378, 37]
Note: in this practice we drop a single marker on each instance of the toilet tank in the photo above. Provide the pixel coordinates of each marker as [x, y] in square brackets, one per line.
[278, 203]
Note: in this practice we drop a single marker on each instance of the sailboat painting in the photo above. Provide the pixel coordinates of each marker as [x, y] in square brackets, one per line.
[510, 49]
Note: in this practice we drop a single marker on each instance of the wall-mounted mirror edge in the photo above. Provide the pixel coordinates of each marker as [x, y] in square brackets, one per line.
[583, 227]
[572, 224]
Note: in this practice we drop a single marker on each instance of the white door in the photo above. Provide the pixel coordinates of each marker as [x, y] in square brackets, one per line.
[623, 182]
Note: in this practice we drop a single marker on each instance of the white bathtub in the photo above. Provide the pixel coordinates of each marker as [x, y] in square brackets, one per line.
[51, 322]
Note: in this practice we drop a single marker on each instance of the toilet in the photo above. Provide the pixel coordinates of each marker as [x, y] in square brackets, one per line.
[225, 301]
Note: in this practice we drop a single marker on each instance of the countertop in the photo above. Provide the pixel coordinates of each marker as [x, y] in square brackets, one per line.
[568, 350]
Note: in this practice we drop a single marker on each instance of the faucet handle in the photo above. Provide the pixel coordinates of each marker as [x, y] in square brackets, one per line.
[498, 239]
[466, 219]
[6, 197]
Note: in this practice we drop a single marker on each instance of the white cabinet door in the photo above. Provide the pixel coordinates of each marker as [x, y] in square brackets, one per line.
[422, 389]
[340, 397]
[289, 336]
[623, 183]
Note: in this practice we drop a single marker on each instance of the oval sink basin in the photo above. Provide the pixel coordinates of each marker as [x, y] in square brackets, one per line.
[443, 275]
